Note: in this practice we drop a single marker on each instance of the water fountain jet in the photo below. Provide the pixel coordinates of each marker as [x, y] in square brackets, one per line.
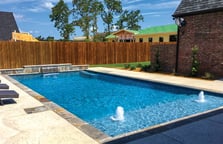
[54, 75]
[119, 114]
[201, 97]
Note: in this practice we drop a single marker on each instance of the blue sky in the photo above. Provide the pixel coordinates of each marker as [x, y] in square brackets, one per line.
[33, 15]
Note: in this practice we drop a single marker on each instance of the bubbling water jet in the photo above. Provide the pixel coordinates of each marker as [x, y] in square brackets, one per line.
[119, 114]
[201, 97]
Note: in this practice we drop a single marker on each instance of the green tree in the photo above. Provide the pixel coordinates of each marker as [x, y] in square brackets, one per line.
[82, 17]
[50, 38]
[129, 20]
[111, 8]
[133, 18]
[122, 21]
[85, 15]
[40, 38]
[97, 9]
[60, 16]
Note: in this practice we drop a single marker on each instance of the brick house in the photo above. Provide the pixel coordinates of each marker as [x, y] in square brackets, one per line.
[201, 24]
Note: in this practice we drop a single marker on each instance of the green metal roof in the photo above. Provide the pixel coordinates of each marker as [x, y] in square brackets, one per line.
[133, 31]
[150, 30]
[111, 36]
[159, 29]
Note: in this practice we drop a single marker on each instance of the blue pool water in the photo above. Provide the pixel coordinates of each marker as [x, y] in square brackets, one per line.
[94, 98]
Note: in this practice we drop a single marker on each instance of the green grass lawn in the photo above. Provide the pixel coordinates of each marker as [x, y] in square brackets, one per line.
[122, 65]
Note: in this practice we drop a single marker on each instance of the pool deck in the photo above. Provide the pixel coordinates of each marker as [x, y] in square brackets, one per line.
[45, 126]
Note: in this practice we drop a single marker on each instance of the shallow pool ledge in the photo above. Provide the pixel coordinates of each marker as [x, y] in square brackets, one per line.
[48, 68]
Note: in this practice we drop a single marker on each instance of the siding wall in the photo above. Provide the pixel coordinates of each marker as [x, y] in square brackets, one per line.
[155, 37]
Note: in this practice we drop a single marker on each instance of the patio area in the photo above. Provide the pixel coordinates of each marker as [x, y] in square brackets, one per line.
[45, 126]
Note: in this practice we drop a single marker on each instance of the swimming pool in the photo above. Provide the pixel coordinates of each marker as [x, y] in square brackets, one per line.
[94, 98]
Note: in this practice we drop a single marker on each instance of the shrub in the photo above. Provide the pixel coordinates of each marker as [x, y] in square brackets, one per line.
[132, 67]
[146, 68]
[195, 63]
[126, 66]
[139, 65]
[209, 76]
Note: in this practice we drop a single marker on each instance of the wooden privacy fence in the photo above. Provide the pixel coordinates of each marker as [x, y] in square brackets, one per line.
[18, 54]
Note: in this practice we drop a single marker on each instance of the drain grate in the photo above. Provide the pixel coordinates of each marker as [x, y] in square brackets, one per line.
[35, 109]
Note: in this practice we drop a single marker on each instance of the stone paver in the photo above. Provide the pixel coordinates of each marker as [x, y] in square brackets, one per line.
[41, 127]
[209, 85]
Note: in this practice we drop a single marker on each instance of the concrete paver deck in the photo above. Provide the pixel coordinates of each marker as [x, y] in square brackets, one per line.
[18, 127]
[209, 85]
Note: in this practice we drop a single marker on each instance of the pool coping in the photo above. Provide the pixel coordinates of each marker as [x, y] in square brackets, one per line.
[49, 105]
[97, 134]
[149, 131]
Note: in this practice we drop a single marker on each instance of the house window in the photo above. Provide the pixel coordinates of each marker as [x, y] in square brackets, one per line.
[161, 39]
[127, 40]
[140, 39]
[150, 39]
[173, 38]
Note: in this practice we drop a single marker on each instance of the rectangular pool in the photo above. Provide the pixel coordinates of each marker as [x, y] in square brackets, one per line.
[94, 97]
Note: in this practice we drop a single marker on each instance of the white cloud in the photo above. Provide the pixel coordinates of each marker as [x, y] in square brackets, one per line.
[30, 1]
[47, 5]
[18, 16]
[31, 5]
[132, 1]
[14, 1]
[149, 13]
[150, 6]
[156, 13]
[34, 32]
[42, 6]
[114, 28]
[35, 9]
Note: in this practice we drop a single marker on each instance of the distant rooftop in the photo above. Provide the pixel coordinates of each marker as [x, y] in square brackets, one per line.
[113, 34]
[7, 25]
[131, 31]
[188, 7]
[150, 30]
[159, 29]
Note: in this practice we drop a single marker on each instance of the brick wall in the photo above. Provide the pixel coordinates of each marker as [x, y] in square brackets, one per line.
[167, 56]
[205, 31]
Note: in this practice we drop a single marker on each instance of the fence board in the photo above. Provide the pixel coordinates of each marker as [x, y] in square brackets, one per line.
[17, 54]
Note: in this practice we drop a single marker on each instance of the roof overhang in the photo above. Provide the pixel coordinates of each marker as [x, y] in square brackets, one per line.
[175, 15]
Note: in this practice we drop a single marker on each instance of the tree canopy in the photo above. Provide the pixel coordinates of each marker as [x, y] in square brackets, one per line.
[60, 16]
[86, 14]
[112, 8]
[129, 20]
